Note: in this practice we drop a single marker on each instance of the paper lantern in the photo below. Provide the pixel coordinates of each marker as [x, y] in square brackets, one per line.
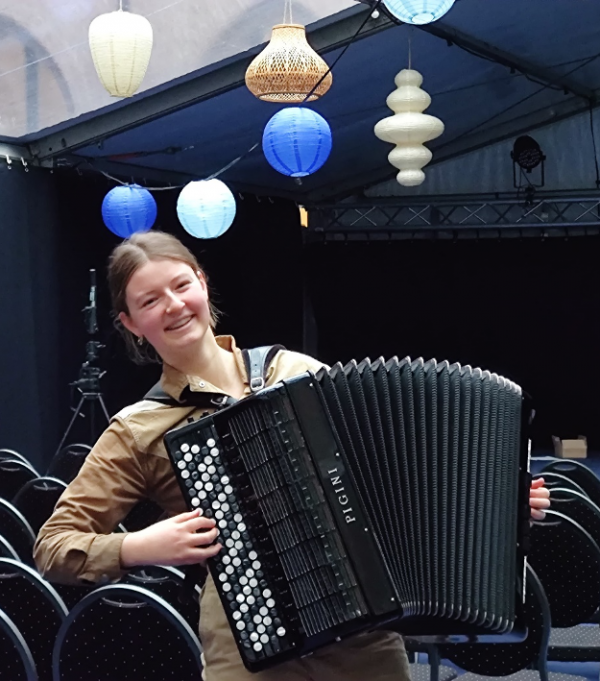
[409, 128]
[129, 209]
[121, 44]
[288, 69]
[418, 11]
[297, 141]
[206, 208]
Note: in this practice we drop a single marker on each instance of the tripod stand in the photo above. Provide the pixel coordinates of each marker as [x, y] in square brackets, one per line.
[88, 385]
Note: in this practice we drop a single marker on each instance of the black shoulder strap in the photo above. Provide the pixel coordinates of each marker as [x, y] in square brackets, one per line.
[256, 361]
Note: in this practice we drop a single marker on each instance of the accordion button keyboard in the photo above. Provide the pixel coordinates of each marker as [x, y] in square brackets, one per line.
[238, 569]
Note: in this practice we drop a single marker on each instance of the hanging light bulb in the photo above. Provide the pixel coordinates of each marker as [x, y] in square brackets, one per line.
[288, 69]
[409, 128]
[121, 44]
[418, 11]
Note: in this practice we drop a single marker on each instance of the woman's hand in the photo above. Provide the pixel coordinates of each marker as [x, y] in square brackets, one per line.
[186, 539]
[539, 499]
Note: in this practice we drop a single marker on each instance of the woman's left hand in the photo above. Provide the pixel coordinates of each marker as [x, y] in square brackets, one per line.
[539, 499]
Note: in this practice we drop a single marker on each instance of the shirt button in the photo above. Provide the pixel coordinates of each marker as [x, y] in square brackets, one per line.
[202, 384]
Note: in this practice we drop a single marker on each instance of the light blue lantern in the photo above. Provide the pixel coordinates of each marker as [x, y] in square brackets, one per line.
[206, 208]
[129, 209]
[418, 11]
[297, 141]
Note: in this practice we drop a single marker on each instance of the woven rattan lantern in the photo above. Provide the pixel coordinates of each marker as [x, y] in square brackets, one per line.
[288, 69]
[121, 43]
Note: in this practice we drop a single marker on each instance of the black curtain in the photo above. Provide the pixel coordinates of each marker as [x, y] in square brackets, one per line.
[29, 312]
[526, 309]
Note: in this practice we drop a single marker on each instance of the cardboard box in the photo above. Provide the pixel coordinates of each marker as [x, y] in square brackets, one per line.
[570, 449]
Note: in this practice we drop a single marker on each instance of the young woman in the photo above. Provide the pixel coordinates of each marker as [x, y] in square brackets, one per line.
[160, 297]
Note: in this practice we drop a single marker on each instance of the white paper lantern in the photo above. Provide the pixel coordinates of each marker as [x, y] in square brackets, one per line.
[121, 44]
[206, 208]
[409, 128]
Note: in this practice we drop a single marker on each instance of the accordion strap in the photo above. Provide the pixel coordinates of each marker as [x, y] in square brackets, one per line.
[256, 361]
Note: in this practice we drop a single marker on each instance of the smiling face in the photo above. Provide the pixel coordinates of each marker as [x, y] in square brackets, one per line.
[167, 304]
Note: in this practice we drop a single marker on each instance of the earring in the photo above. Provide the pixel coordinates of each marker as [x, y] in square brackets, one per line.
[140, 340]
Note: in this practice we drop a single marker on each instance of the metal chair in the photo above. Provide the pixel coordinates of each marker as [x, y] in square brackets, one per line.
[579, 473]
[12, 455]
[66, 463]
[37, 498]
[554, 480]
[35, 608]
[567, 561]
[17, 660]
[17, 531]
[123, 632]
[13, 475]
[6, 550]
[168, 583]
[524, 661]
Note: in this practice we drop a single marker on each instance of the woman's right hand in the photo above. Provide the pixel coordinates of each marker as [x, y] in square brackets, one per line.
[175, 541]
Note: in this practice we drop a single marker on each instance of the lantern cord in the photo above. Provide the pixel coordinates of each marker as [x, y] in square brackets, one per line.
[120, 5]
[234, 162]
[410, 49]
[343, 52]
[288, 17]
[179, 186]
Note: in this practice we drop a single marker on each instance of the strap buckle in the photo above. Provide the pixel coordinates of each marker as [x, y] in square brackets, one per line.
[257, 383]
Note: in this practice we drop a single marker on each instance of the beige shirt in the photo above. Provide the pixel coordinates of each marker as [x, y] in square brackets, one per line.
[129, 463]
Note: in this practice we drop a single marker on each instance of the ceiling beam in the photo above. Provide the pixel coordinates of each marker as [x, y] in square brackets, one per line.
[544, 76]
[482, 49]
[204, 85]
[462, 145]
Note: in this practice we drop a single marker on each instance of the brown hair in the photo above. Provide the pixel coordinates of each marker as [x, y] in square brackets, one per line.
[125, 260]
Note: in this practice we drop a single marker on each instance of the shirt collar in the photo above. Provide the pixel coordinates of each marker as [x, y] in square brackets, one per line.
[174, 382]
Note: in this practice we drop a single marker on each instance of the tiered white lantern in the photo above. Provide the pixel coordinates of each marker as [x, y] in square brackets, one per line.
[121, 44]
[409, 128]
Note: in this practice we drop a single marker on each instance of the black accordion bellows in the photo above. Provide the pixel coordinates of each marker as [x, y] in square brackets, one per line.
[386, 494]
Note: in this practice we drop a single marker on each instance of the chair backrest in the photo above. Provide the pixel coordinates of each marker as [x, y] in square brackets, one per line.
[503, 659]
[13, 475]
[66, 463]
[578, 507]
[12, 455]
[17, 531]
[123, 632]
[16, 659]
[37, 498]
[567, 561]
[579, 473]
[6, 550]
[143, 514]
[558, 480]
[36, 609]
[168, 583]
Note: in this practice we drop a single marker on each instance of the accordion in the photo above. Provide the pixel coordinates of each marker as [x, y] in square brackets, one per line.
[374, 495]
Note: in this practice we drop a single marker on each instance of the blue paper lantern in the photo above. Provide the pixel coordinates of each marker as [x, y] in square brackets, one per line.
[206, 208]
[129, 209]
[418, 11]
[297, 141]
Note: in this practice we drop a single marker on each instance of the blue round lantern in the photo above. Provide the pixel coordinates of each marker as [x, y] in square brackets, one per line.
[206, 208]
[418, 11]
[297, 141]
[129, 209]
